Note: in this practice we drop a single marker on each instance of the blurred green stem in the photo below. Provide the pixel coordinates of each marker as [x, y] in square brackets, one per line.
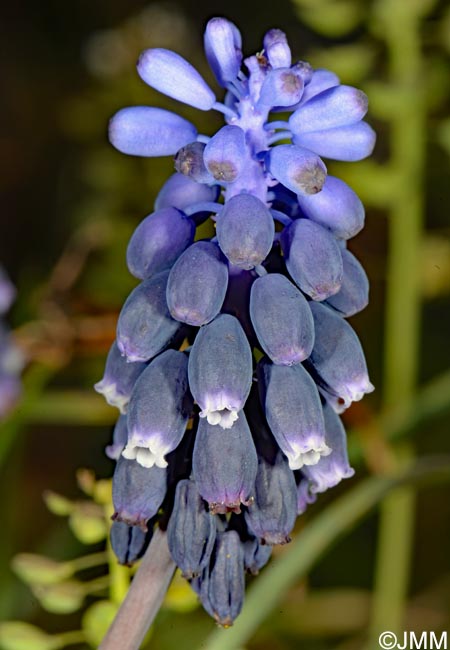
[87, 561]
[313, 541]
[71, 638]
[401, 33]
[34, 382]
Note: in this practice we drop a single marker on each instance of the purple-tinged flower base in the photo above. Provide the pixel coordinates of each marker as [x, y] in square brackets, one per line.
[260, 439]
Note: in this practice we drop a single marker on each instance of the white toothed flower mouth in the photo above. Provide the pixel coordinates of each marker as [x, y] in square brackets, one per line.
[223, 417]
[112, 396]
[354, 392]
[331, 476]
[146, 455]
[300, 458]
[219, 409]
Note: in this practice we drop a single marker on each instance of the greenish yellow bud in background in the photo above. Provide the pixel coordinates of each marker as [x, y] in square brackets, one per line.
[16, 635]
[63, 598]
[97, 619]
[38, 569]
[87, 523]
[57, 504]
[103, 491]
[86, 480]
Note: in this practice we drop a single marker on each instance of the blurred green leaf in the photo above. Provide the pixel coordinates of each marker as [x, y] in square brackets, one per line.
[443, 134]
[327, 612]
[444, 28]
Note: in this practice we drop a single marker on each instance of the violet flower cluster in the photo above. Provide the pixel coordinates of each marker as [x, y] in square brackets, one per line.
[11, 358]
[233, 357]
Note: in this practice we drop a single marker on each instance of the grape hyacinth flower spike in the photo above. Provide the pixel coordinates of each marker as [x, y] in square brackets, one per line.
[251, 318]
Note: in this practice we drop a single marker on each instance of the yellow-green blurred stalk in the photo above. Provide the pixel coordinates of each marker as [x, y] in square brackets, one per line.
[401, 23]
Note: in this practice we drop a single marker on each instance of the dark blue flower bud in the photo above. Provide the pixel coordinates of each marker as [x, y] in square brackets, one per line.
[348, 143]
[313, 258]
[137, 492]
[277, 49]
[336, 208]
[220, 370]
[181, 191]
[129, 543]
[223, 49]
[197, 284]
[226, 154]
[297, 168]
[223, 593]
[145, 326]
[337, 360]
[272, 515]
[159, 409]
[148, 131]
[158, 241]
[320, 80]
[224, 465]
[118, 379]
[330, 470]
[281, 87]
[282, 319]
[173, 76]
[292, 407]
[191, 532]
[245, 230]
[120, 437]
[189, 162]
[338, 106]
[256, 555]
[353, 295]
